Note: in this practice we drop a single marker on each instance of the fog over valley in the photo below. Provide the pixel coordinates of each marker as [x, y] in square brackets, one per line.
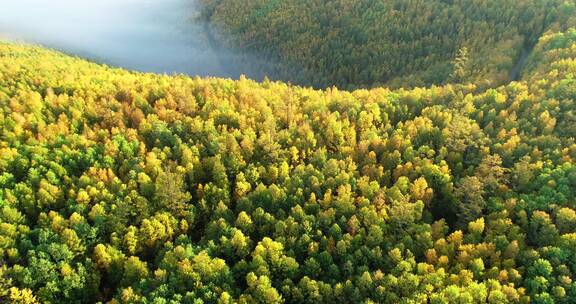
[166, 36]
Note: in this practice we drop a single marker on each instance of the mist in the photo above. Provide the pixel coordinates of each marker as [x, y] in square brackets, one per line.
[161, 36]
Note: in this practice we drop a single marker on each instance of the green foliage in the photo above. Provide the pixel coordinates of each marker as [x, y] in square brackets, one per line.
[120, 187]
[367, 43]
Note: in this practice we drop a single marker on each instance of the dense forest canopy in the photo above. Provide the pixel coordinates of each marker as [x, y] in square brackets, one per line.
[455, 183]
[367, 43]
[124, 187]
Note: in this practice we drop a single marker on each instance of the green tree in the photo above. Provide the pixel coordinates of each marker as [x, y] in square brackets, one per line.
[171, 194]
[461, 68]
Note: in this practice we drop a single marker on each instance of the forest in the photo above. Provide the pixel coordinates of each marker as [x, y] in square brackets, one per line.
[126, 187]
[397, 43]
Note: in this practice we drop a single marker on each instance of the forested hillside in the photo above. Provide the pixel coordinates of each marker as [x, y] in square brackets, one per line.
[367, 43]
[123, 187]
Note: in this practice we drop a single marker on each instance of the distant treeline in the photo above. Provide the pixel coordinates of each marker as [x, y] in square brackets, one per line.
[368, 43]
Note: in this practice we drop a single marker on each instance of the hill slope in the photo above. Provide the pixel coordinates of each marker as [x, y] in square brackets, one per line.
[140, 188]
[367, 43]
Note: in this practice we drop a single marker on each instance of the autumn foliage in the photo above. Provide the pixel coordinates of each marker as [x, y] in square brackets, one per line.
[122, 187]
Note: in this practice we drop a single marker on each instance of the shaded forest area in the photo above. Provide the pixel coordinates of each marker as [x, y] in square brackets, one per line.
[365, 43]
